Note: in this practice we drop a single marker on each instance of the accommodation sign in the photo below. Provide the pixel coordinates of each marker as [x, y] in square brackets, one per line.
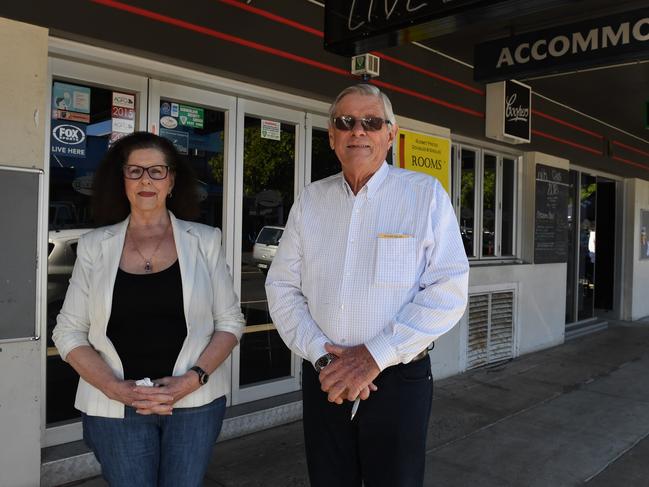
[358, 26]
[551, 215]
[595, 42]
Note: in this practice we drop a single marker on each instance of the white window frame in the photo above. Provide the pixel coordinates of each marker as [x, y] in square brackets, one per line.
[112, 79]
[478, 199]
[297, 118]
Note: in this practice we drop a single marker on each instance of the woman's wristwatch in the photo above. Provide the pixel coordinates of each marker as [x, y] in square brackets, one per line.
[323, 361]
[203, 376]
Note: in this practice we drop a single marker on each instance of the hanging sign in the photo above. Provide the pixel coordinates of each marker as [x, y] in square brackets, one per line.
[509, 112]
[427, 154]
[359, 26]
[596, 42]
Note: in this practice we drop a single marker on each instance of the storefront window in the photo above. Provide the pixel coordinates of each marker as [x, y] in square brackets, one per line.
[490, 179]
[197, 133]
[467, 200]
[324, 162]
[489, 191]
[268, 188]
[508, 195]
[85, 120]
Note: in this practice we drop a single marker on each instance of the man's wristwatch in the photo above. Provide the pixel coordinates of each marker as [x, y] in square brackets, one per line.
[203, 376]
[323, 361]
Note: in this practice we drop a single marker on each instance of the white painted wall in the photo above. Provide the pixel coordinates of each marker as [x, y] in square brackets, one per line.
[540, 301]
[636, 275]
[539, 321]
[23, 84]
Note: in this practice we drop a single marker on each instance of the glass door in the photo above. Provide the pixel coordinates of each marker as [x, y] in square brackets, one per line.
[587, 222]
[201, 124]
[581, 265]
[270, 148]
[321, 159]
[90, 108]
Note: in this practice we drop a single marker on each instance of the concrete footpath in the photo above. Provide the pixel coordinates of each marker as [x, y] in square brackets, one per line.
[576, 414]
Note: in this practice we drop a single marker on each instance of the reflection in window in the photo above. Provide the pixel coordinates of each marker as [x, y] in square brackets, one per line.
[491, 231]
[467, 200]
[198, 134]
[508, 191]
[82, 128]
[268, 188]
[324, 162]
[587, 212]
[489, 205]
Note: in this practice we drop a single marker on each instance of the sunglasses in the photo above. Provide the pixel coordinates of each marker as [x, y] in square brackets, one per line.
[369, 124]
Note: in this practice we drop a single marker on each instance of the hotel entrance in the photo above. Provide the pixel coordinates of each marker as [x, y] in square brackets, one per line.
[591, 269]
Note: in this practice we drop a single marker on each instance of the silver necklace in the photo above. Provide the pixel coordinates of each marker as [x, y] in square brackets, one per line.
[148, 267]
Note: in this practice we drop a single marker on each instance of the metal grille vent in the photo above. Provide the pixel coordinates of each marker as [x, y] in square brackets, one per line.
[491, 328]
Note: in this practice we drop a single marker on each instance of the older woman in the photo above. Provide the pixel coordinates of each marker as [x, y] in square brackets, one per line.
[150, 297]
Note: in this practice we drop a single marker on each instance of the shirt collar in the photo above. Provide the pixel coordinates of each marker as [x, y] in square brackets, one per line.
[377, 179]
[372, 185]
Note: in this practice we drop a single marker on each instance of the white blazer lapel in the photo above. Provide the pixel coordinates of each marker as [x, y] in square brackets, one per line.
[111, 253]
[187, 249]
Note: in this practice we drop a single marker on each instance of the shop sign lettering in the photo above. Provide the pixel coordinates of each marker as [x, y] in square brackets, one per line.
[596, 42]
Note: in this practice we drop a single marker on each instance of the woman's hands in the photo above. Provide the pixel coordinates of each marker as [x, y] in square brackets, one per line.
[147, 400]
[166, 392]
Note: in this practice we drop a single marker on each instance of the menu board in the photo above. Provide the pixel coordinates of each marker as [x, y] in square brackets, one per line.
[551, 215]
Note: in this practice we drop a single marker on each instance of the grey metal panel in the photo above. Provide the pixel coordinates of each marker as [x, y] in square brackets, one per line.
[20, 190]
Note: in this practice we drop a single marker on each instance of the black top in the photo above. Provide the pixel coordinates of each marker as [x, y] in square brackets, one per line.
[147, 322]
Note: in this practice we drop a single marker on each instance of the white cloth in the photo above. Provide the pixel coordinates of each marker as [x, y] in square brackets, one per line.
[210, 304]
[385, 268]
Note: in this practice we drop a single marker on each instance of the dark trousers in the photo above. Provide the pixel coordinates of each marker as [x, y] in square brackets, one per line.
[384, 445]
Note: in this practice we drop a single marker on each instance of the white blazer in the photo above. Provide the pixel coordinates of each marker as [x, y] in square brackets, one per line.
[210, 305]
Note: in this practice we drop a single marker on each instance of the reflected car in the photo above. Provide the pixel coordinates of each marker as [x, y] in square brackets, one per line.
[61, 255]
[265, 247]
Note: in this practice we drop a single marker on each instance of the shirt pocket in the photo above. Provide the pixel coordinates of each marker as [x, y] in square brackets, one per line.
[396, 261]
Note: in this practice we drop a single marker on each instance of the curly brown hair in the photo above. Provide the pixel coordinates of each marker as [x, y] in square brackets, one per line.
[110, 204]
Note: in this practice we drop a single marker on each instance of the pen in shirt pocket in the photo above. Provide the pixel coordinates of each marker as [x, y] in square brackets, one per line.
[394, 235]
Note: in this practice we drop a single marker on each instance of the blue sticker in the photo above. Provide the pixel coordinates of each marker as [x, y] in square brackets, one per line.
[165, 108]
[68, 139]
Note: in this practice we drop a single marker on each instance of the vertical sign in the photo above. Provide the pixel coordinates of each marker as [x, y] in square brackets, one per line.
[426, 153]
[509, 112]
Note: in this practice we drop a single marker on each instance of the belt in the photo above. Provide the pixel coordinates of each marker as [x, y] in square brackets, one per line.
[421, 355]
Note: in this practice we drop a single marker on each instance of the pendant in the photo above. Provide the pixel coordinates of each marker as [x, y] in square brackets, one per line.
[147, 266]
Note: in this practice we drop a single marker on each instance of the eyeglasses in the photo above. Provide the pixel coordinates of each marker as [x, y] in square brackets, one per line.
[370, 124]
[154, 172]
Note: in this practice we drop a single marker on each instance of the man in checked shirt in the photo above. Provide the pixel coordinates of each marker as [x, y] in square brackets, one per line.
[369, 272]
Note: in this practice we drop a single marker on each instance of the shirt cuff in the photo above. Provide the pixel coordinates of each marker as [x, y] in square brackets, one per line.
[382, 351]
[317, 349]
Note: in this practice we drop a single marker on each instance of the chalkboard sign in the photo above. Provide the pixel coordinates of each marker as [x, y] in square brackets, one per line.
[20, 193]
[551, 215]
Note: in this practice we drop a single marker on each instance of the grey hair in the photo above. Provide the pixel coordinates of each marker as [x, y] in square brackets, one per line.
[366, 90]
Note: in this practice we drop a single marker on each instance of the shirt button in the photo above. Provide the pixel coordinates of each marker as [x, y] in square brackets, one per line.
[342, 306]
[352, 240]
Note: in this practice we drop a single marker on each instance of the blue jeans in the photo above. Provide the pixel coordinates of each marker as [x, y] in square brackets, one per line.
[151, 451]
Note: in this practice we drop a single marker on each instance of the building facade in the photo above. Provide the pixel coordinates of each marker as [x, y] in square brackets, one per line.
[243, 89]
